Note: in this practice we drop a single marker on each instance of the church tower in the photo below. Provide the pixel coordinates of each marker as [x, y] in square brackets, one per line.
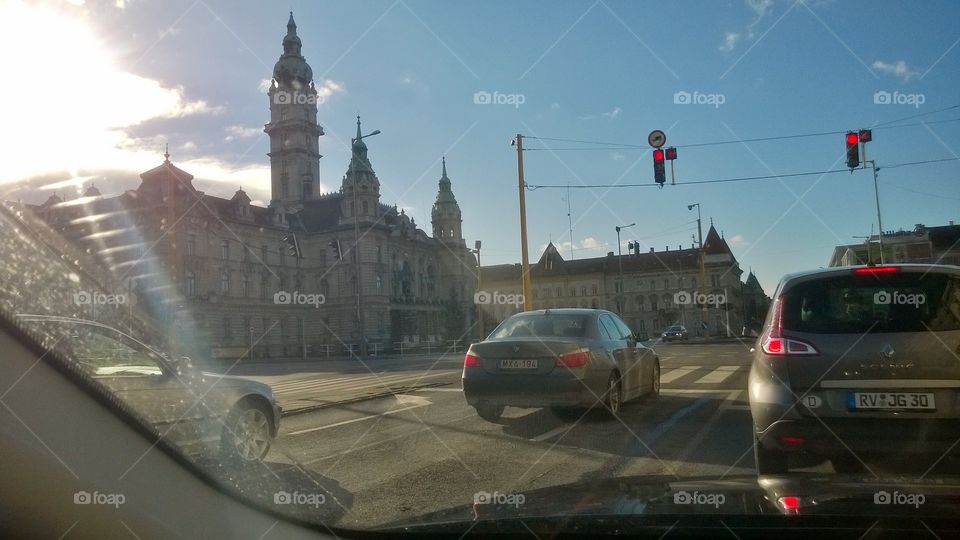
[445, 216]
[360, 177]
[293, 129]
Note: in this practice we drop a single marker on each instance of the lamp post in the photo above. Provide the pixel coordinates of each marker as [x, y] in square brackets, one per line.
[479, 269]
[700, 257]
[356, 246]
[620, 263]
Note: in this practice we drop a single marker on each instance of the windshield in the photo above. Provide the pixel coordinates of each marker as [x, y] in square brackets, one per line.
[374, 264]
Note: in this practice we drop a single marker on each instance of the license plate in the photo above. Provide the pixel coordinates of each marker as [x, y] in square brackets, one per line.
[891, 401]
[518, 364]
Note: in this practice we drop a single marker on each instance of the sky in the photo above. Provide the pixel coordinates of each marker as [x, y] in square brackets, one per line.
[94, 90]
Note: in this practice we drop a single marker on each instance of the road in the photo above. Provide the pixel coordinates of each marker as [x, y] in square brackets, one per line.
[424, 449]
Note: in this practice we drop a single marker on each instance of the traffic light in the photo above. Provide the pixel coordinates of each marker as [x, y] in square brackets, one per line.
[671, 153]
[335, 244]
[659, 173]
[853, 149]
[866, 135]
[293, 246]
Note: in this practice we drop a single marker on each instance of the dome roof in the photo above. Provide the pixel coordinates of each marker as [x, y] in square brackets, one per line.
[292, 66]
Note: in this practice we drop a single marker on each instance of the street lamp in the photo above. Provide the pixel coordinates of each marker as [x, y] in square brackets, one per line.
[620, 263]
[356, 245]
[700, 261]
[479, 269]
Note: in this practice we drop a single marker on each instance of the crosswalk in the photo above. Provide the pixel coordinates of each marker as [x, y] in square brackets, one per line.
[696, 375]
[351, 384]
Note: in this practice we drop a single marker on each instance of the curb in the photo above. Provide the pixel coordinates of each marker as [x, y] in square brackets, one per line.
[399, 390]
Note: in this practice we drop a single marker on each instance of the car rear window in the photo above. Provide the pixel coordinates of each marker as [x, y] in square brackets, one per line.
[898, 302]
[542, 325]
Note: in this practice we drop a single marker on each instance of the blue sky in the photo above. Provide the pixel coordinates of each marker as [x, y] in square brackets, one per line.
[191, 74]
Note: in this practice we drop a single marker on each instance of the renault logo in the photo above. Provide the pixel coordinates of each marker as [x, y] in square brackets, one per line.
[887, 351]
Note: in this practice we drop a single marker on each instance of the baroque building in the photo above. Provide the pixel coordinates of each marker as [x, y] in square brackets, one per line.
[292, 279]
[658, 289]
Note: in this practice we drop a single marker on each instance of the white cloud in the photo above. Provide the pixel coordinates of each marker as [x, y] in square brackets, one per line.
[897, 69]
[737, 241]
[730, 41]
[188, 146]
[237, 131]
[613, 113]
[554, 105]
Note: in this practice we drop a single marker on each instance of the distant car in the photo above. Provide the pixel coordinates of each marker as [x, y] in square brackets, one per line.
[202, 414]
[676, 332]
[855, 362]
[565, 359]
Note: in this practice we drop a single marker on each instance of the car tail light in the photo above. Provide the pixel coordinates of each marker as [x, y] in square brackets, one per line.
[775, 344]
[873, 270]
[790, 505]
[792, 441]
[471, 360]
[573, 360]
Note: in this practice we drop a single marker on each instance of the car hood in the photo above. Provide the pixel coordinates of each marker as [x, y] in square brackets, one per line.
[832, 495]
[233, 381]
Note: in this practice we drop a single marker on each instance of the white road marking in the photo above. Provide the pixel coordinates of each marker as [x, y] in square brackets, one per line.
[411, 402]
[674, 374]
[718, 375]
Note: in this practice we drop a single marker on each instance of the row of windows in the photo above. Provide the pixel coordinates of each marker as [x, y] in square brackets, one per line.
[266, 290]
[618, 287]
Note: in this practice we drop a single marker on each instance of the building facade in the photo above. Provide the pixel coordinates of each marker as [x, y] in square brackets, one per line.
[292, 279]
[658, 289]
[937, 245]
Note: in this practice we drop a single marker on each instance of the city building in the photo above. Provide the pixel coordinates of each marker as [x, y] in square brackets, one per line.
[659, 288]
[292, 279]
[939, 245]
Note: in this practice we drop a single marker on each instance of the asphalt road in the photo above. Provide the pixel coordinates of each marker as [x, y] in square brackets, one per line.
[423, 449]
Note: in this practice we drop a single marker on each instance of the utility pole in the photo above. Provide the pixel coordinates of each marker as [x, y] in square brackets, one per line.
[620, 263]
[702, 262]
[477, 245]
[527, 287]
[876, 195]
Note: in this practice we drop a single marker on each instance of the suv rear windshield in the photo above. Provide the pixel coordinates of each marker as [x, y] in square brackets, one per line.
[900, 302]
[542, 325]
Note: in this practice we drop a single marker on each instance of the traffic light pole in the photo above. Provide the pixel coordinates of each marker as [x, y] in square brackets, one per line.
[527, 287]
[876, 195]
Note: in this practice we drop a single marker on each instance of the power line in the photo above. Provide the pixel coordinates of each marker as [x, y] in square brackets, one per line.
[622, 146]
[533, 187]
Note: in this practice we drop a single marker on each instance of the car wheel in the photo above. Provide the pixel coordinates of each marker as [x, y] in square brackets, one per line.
[246, 434]
[614, 400]
[489, 411]
[655, 388]
[768, 461]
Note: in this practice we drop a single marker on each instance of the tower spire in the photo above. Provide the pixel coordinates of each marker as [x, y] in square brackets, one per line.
[443, 159]
[166, 152]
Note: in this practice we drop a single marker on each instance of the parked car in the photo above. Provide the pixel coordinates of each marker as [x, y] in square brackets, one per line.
[858, 361]
[676, 332]
[203, 414]
[566, 359]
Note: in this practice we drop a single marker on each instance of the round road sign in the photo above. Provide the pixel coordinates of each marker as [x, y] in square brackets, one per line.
[657, 138]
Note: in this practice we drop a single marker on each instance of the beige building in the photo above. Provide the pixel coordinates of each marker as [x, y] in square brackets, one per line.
[659, 288]
[940, 245]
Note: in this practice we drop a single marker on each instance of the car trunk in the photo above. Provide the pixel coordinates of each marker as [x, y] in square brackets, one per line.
[533, 355]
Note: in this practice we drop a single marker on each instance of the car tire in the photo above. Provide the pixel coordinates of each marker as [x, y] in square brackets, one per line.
[614, 395]
[489, 411]
[769, 461]
[246, 436]
[655, 387]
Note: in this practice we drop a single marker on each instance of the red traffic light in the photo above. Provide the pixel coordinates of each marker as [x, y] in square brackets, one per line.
[671, 153]
[852, 138]
[658, 155]
[866, 135]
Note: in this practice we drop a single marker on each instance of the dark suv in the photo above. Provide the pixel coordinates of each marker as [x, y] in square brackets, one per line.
[858, 361]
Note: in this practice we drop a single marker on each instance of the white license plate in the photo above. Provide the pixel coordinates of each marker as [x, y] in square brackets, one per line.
[518, 364]
[892, 401]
